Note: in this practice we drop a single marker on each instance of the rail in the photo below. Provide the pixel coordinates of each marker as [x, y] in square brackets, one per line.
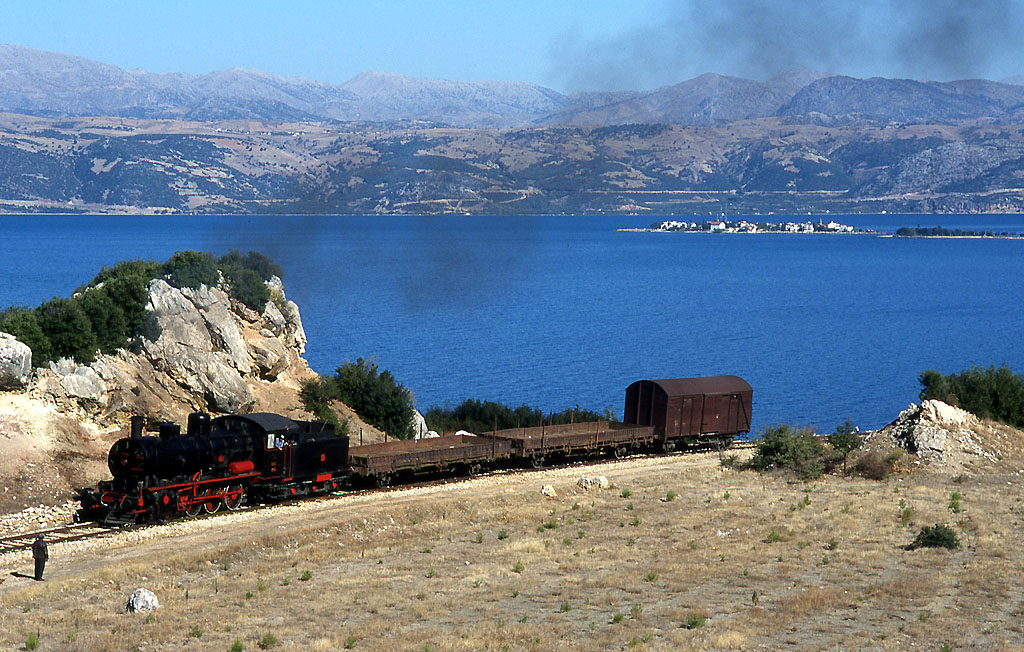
[74, 532]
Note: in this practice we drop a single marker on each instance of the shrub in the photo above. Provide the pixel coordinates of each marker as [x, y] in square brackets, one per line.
[695, 621]
[68, 330]
[316, 395]
[954, 502]
[190, 269]
[475, 415]
[375, 396]
[845, 440]
[246, 276]
[23, 324]
[797, 451]
[32, 642]
[989, 393]
[237, 646]
[268, 641]
[936, 536]
[873, 466]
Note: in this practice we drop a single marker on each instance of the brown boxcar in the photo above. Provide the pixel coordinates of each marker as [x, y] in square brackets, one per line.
[682, 409]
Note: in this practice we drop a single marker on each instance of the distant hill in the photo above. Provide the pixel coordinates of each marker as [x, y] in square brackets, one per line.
[50, 84]
[81, 136]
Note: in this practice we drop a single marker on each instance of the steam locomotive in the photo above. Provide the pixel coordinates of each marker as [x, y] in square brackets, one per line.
[229, 460]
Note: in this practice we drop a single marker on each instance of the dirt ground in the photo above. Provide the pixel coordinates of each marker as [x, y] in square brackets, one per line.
[680, 553]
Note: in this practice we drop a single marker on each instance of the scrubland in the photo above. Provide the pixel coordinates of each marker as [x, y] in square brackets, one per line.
[680, 552]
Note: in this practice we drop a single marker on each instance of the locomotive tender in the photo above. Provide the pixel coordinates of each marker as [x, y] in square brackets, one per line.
[227, 460]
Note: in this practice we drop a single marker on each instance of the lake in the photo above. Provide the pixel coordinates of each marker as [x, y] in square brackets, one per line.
[559, 311]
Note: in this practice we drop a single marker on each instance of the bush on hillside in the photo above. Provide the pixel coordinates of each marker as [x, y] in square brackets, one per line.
[190, 269]
[475, 415]
[795, 450]
[246, 276]
[316, 395]
[845, 440]
[376, 397]
[68, 330]
[988, 393]
[936, 536]
[110, 312]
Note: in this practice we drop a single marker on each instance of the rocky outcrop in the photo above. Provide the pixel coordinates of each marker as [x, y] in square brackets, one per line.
[941, 436]
[212, 354]
[15, 363]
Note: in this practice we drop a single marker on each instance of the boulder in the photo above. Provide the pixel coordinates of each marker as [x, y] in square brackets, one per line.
[15, 363]
[142, 601]
[80, 381]
[269, 356]
[941, 435]
[549, 491]
[273, 320]
[419, 426]
[595, 482]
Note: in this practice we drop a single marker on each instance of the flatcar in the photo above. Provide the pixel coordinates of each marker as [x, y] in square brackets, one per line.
[224, 461]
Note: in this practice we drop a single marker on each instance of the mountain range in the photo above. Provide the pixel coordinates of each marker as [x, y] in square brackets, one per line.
[78, 135]
[48, 84]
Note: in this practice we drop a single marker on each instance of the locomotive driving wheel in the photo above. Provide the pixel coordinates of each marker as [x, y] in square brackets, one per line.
[233, 497]
[194, 509]
[213, 502]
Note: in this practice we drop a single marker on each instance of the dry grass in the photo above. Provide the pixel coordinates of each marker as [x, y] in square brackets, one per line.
[590, 570]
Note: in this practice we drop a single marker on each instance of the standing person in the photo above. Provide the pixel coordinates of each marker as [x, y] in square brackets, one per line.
[40, 554]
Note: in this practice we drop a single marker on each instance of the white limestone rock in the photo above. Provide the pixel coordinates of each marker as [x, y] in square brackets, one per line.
[142, 601]
[186, 349]
[419, 426]
[269, 356]
[80, 381]
[593, 482]
[15, 363]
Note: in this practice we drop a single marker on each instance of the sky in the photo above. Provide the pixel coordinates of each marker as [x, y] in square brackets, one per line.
[567, 45]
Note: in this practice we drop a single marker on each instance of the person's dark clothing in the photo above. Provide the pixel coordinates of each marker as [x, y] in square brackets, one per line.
[40, 554]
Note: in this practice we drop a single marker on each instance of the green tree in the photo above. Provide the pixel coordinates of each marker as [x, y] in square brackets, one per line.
[106, 318]
[376, 397]
[23, 324]
[845, 440]
[190, 269]
[798, 451]
[68, 330]
[988, 393]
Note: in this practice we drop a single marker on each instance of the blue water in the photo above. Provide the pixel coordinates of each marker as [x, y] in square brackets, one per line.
[559, 311]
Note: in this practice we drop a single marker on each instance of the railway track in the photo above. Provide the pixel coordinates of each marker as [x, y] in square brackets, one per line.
[74, 532]
[92, 530]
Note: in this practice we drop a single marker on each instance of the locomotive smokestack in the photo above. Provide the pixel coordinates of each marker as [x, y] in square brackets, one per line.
[138, 423]
[199, 424]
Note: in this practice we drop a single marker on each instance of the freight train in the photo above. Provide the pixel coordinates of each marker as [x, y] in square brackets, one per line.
[229, 460]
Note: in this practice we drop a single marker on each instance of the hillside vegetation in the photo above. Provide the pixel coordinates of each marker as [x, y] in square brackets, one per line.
[110, 312]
